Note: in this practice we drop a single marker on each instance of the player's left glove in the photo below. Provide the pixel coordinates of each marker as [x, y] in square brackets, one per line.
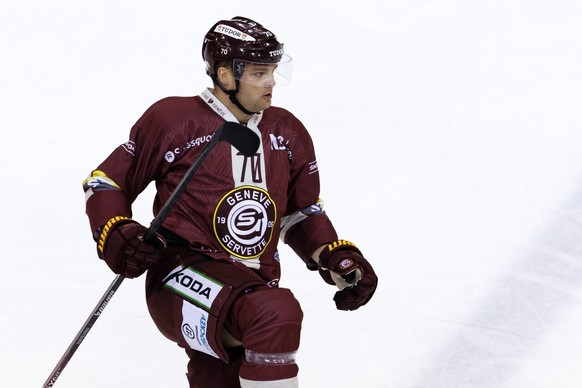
[342, 264]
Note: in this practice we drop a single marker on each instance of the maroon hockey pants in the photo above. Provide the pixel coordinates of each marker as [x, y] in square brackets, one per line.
[265, 320]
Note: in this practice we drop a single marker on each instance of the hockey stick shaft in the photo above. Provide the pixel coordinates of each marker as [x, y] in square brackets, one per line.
[241, 138]
[84, 331]
[157, 222]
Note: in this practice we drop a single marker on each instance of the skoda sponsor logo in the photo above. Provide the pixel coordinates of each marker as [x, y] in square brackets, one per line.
[198, 288]
[244, 220]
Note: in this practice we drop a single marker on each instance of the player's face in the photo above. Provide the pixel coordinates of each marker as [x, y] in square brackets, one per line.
[256, 86]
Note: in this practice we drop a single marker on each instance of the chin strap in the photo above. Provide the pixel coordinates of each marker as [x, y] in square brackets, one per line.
[232, 95]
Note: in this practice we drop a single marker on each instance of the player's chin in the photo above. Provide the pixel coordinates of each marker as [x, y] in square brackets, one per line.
[265, 102]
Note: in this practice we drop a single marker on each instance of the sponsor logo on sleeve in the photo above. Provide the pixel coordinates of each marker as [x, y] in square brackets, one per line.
[129, 146]
[313, 167]
[278, 142]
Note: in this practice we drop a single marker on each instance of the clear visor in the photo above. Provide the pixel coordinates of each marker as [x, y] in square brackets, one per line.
[264, 74]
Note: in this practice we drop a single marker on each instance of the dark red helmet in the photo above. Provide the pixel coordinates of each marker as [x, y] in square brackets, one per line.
[242, 39]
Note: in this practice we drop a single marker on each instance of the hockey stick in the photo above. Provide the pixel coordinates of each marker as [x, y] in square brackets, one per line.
[243, 139]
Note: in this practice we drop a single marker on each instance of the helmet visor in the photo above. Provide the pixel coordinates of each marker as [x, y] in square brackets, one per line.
[263, 74]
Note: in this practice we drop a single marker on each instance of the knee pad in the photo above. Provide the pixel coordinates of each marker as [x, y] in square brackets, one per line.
[268, 323]
[267, 320]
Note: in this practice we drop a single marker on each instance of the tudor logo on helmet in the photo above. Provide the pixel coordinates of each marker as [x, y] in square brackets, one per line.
[233, 32]
[276, 53]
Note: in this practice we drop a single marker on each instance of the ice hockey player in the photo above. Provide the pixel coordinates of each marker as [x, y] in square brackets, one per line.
[213, 268]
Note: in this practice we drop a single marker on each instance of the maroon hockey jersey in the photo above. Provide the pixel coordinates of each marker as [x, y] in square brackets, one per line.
[236, 207]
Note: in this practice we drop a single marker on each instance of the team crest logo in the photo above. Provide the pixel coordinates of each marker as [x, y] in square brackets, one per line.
[244, 220]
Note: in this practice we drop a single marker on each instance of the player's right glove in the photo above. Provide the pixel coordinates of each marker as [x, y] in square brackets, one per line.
[342, 264]
[122, 247]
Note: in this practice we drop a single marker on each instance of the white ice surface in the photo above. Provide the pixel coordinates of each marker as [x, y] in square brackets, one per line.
[449, 141]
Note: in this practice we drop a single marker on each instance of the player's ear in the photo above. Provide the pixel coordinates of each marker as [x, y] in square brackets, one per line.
[226, 78]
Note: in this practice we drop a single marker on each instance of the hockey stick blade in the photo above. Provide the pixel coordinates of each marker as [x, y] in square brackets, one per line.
[240, 137]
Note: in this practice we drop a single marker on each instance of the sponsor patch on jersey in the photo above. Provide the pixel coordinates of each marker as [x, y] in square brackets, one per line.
[244, 220]
[193, 286]
[173, 153]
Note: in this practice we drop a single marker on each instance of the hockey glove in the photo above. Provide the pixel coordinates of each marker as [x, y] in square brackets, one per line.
[342, 264]
[122, 247]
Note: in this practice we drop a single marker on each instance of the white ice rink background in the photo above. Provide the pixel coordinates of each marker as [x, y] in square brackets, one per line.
[449, 143]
